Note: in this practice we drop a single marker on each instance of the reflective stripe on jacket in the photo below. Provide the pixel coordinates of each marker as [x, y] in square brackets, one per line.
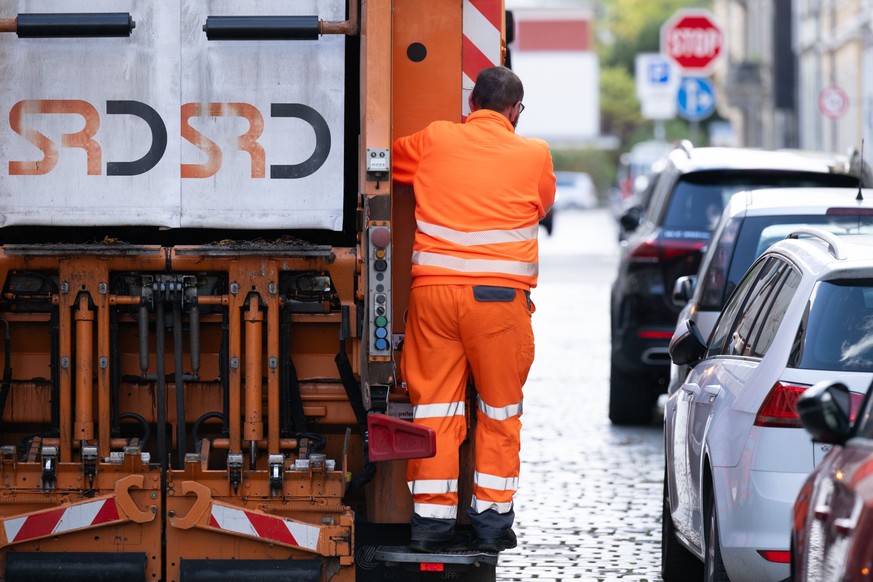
[480, 190]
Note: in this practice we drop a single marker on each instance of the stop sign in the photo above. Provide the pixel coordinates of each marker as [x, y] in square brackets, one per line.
[692, 39]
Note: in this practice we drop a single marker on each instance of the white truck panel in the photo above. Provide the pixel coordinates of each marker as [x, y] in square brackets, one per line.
[208, 93]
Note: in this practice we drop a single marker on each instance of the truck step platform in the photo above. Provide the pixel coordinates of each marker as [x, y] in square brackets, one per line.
[402, 554]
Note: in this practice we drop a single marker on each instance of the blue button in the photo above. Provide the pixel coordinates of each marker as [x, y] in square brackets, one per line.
[381, 344]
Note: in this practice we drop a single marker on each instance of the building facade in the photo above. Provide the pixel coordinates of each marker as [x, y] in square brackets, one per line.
[797, 73]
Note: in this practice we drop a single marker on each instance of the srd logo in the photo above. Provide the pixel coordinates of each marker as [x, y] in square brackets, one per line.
[86, 139]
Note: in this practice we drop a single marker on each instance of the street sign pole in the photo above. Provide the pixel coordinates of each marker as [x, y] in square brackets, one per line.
[660, 133]
[833, 103]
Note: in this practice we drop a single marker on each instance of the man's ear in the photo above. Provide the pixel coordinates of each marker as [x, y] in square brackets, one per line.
[470, 103]
[513, 114]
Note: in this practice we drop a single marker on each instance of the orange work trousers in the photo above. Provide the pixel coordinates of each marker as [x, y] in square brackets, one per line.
[453, 331]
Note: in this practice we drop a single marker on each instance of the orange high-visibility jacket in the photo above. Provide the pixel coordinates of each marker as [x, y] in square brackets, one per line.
[480, 190]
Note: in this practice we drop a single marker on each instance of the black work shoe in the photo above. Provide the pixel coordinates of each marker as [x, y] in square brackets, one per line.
[495, 545]
[454, 544]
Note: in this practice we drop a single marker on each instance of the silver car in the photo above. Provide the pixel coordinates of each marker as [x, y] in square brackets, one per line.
[751, 222]
[736, 455]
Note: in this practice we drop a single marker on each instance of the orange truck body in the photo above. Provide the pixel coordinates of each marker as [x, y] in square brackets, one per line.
[187, 373]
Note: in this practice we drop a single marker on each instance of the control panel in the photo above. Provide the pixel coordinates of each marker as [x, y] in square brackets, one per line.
[379, 283]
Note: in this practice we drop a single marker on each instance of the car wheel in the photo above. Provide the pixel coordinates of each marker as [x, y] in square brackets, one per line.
[630, 398]
[677, 563]
[714, 570]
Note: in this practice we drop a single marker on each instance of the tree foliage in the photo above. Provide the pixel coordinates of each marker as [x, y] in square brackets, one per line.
[629, 27]
[619, 107]
[625, 28]
[630, 20]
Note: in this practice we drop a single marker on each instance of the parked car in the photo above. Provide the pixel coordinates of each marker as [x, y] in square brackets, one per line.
[751, 222]
[574, 190]
[666, 242]
[632, 166]
[639, 200]
[735, 460]
[832, 525]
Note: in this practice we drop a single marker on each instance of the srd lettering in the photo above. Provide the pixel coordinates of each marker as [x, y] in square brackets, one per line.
[86, 138]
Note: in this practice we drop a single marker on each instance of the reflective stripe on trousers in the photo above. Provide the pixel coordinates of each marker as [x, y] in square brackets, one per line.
[450, 335]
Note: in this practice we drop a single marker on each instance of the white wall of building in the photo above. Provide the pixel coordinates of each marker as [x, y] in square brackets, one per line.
[553, 54]
[561, 95]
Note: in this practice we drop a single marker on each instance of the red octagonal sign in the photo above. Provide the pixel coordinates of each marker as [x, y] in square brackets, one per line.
[692, 39]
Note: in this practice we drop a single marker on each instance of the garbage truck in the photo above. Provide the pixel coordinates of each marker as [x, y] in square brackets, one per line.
[204, 267]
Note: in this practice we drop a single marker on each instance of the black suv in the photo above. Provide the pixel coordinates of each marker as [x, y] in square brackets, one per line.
[666, 241]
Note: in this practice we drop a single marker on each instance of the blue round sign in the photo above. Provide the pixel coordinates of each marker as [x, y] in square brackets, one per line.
[696, 98]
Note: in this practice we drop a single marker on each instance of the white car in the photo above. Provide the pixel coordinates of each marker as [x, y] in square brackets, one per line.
[750, 223]
[736, 455]
[574, 190]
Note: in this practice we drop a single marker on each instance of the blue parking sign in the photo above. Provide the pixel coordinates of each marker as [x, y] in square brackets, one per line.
[657, 80]
[659, 72]
[695, 98]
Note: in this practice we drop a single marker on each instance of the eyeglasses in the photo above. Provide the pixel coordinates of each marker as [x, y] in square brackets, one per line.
[520, 107]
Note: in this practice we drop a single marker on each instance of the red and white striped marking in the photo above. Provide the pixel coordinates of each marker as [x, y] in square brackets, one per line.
[483, 20]
[259, 525]
[61, 520]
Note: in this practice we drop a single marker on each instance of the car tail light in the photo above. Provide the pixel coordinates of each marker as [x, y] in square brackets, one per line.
[654, 249]
[778, 409]
[849, 212]
[654, 334]
[855, 401]
[778, 556]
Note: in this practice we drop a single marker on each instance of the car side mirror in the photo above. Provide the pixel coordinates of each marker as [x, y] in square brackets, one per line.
[688, 349]
[631, 219]
[825, 411]
[683, 289]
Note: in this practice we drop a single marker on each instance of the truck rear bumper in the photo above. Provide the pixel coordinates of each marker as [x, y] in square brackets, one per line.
[131, 567]
[250, 570]
[75, 566]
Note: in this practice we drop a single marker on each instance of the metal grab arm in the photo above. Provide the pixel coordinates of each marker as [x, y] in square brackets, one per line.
[115, 508]
[278, 27]
[69, 25]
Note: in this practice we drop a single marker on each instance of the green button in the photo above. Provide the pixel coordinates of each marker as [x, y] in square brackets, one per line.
[381, 321]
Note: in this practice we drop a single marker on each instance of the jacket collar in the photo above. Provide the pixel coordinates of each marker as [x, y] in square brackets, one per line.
[489, 116]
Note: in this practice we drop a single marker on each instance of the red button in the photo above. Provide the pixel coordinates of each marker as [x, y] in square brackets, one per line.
[380, 236]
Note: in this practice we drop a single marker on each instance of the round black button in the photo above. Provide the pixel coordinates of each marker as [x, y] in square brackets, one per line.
[416, 52]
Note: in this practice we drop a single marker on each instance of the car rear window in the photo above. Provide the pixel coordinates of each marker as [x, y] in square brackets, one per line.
[745, 240]
[836, 332]
[696, 206]
[699, 197]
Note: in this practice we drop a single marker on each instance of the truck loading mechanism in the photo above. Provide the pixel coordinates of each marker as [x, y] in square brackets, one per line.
[105, 24]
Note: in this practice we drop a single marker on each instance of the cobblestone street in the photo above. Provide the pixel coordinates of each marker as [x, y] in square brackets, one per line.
[589, 504]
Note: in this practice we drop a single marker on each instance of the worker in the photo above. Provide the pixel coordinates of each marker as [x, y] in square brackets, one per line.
[480, 190]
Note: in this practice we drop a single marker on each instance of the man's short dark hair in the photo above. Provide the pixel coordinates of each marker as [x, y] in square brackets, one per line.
[496, 89]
